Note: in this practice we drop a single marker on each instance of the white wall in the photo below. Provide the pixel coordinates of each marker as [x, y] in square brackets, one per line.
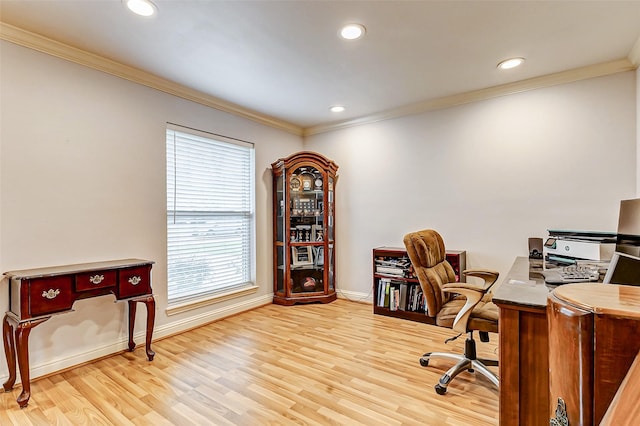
[486, 175]
[638, 132]
[82, 175]
[82, 179]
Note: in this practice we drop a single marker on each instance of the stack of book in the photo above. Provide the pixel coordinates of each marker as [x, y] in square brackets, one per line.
[394, 266]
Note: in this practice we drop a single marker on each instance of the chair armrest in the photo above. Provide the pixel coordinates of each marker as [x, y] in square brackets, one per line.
[473, 294]
[454, 287]
[489, 276]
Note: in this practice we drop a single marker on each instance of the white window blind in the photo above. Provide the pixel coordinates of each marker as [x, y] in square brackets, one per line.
[210, 220]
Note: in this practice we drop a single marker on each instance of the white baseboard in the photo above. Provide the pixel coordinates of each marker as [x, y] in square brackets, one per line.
[159, 332]
[355, 296]
[213, 315]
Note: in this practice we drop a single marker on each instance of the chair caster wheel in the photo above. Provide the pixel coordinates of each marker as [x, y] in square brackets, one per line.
[440, 390]
[424, 362]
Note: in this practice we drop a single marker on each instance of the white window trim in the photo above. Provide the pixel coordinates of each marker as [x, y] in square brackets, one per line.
[223, 294]
[211, 299]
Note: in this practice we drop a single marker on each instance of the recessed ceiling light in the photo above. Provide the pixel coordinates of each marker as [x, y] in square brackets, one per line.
[336, 108]
[510, 63]
[352, 31]
[141, 7]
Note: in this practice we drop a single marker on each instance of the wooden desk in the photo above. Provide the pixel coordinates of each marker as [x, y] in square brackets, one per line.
[36, 294]
[524, 345]
[575, 341]
[593, 341]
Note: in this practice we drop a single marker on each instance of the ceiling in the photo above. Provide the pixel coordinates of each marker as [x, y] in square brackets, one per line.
[284, 59]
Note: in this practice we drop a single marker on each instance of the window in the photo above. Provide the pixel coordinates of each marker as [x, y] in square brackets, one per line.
[210, 219]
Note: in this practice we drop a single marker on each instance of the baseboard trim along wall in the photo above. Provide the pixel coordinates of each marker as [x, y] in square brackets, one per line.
[355, 296]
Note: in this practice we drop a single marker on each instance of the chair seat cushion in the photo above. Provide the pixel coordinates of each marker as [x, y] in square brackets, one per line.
[484, 316]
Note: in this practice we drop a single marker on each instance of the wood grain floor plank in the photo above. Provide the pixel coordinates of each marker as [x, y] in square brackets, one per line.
[333, 364]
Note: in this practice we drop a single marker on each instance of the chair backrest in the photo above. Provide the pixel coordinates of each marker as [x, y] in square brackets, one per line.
[429, 259]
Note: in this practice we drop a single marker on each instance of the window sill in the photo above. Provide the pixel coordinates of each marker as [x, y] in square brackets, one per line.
[210, 300]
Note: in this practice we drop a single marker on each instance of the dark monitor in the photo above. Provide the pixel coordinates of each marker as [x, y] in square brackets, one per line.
[628, 238]
[623, 269]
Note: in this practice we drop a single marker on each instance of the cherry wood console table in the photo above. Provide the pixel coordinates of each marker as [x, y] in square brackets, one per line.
[37, 294]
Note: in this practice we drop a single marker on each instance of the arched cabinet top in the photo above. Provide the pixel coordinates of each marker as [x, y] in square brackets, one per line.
[303, 158]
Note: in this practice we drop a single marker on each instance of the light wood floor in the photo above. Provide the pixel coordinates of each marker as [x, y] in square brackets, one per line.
[307, 364]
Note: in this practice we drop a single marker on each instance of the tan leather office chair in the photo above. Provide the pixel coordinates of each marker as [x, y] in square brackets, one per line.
[461, 306]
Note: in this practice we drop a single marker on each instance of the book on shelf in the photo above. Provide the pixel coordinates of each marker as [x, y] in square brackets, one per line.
[403, 296]
[389, 270]
[387, 289]
[382, 291]
[394, 266]
[416, 300]
[400, 262]
[394, 298]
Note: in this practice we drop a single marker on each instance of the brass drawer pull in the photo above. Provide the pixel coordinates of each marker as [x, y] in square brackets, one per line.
[96, 279]
[135, 280]
[51, 294]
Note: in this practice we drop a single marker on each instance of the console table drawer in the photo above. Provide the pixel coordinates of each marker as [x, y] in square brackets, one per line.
[134, 281]
[93, 280]
[50, 295]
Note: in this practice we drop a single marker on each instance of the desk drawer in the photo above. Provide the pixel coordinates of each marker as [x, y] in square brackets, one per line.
[50, 295]
[134, 281]
[93, 280]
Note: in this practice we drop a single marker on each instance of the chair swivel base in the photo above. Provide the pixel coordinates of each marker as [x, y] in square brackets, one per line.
[468, 362]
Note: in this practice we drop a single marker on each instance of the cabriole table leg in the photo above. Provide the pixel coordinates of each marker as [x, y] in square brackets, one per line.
[150, 303]
[10, 353]
[22, 345]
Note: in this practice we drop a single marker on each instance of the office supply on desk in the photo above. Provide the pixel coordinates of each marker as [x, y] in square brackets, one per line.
[623, 269]
[568, 246]
[535, 248]
[571, 274]
[461, 306]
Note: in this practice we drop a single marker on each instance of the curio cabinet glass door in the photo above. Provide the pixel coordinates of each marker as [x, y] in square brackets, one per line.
[304, 228]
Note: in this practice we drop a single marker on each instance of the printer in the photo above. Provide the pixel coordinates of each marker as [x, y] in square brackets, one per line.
[567, 247]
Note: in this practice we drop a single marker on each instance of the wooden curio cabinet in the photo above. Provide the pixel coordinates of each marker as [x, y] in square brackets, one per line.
[304, 229]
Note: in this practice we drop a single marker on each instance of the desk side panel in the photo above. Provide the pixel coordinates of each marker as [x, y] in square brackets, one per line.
[615, 347]
[571, 360]
[534, 368]
[524, 366]
[624, 409]
[509, 347]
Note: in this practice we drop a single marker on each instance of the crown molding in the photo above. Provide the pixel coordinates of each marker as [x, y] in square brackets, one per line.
[549, 80]
[46, 45]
